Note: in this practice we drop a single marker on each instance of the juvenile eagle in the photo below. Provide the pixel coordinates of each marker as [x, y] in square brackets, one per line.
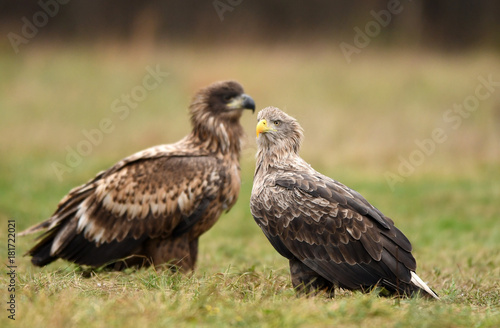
[151, 207]
[329, 233]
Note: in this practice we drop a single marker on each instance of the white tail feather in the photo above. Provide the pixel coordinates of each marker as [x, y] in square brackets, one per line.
[418, 282]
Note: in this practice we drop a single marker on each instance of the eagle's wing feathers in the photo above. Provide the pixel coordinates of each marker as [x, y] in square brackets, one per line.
[153, 197]
[332, 229]
[322, 186]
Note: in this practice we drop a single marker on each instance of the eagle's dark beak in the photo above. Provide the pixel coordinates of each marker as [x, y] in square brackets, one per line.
[248, 102]
[243, 101]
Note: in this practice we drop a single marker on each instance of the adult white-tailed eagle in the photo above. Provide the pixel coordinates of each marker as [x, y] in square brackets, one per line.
[330, 234]
[151, 207]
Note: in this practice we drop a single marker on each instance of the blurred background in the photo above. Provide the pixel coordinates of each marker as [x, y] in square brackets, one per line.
[445, 24]
[398, 99]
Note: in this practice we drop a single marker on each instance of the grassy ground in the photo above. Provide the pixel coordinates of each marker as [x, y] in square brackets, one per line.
[361, 121]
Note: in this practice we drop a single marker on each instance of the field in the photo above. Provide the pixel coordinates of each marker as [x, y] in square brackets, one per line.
[418, 134]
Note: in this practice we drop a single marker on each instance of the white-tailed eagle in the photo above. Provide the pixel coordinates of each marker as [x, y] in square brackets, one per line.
[329, 233]
[151, 207]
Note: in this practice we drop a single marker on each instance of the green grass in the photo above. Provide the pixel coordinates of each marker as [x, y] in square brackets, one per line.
[359, 119]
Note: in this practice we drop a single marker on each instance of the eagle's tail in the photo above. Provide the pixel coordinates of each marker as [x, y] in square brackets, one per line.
[422, 285]
[36, 228]
[41, 253]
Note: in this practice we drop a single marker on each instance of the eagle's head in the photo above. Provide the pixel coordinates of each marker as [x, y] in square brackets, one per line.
[222, 101]
[278, 131]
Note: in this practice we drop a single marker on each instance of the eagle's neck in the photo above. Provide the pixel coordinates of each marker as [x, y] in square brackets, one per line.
[272, 157]
[218, 137]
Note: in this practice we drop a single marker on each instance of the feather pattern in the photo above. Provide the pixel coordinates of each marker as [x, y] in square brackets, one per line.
[329, 232]
[152, 206]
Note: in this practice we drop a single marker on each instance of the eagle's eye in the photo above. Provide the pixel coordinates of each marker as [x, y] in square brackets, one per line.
[227, 98]
[277, 123]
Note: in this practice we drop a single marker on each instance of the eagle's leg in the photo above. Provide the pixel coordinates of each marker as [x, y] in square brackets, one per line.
[175, 254]
[193, 252]
[307, 281]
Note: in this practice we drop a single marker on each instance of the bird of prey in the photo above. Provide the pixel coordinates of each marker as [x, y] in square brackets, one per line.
[151, 207]
[329, 233]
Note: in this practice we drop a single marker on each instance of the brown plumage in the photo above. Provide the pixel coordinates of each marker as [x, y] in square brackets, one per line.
[329, 233]
[151, 207]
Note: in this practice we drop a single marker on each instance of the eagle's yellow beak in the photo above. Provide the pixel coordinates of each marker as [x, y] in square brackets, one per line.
[263, 128]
